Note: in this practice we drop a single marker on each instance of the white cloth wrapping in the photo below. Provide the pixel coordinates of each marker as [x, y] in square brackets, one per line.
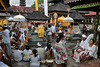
[27, 52]
[89, 37]
[17, 55]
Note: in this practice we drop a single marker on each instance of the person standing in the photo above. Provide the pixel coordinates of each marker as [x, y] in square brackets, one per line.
[53, 31]
[61, 57]
[6, 39]
[49, 35]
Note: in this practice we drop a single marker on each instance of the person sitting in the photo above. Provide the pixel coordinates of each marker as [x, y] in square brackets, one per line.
[81, 49]
[90, 52]
[76, 47]
[40, 50]
[27, 52]
[17, 54]
[49, 55]
[46, 47]
[34, 61]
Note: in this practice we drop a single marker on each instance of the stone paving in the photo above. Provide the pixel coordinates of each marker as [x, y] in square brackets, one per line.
[72, 63]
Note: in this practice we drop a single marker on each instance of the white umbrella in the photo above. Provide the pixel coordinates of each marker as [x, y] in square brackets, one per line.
[68, 19]
[19, 18]
[10, 19]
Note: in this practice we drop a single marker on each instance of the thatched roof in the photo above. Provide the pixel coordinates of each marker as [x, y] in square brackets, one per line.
[59, 7]
[22, 9]
[77, 16]
[36, 15]
[55, 1]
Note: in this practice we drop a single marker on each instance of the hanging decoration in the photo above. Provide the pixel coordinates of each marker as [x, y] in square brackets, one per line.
[96, 26]
[86, 5]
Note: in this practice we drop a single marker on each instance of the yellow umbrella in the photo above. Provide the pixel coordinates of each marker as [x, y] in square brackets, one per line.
[61, 18]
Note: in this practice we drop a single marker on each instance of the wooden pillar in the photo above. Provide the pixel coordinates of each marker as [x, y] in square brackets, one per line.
[96, 26]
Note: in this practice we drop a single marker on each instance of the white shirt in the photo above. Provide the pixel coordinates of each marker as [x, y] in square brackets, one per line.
[12, 37]
[89, 38]
[13, 33]
[92, 51]
[34, 61]
[27, 54]
[22, 37]
[84, 44]
[32, 26]
[53, 29]
[50, 31]
[18, 55]
[5, 36]
[60, 31]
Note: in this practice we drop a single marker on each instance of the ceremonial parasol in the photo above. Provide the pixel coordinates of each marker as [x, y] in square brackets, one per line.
[19, 18]
[10, 19]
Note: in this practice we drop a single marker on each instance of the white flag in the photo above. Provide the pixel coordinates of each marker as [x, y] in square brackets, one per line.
[46, 7]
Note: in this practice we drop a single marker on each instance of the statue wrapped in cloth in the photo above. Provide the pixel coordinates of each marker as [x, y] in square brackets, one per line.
[40, 31]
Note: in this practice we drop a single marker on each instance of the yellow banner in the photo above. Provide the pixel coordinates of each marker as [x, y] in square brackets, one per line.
[36, 5]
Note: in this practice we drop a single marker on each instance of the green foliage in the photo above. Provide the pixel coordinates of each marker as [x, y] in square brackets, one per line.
[33, 5]
[39, 3]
